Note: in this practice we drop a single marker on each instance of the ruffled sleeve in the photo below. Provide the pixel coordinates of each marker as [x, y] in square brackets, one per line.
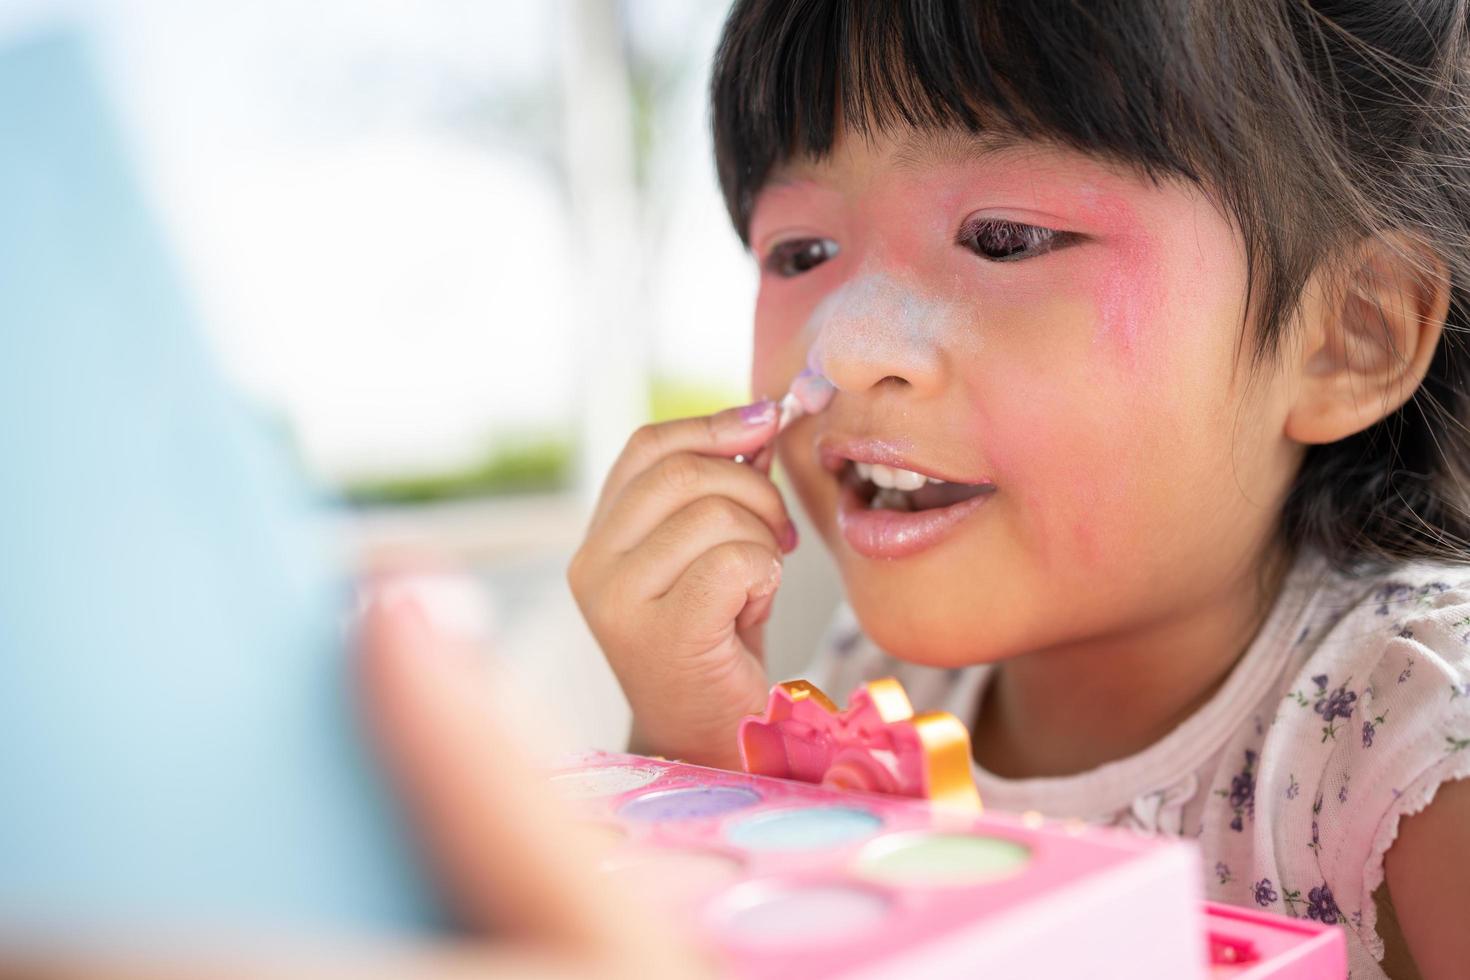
[1387, 703]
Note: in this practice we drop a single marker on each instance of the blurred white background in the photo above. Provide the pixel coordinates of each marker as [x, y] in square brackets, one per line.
[456, 250]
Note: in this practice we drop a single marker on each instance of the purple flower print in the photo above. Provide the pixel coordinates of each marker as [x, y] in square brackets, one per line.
[1370, 728]
[1406, 634]
[1222, 871]
[1408, 670]
[1263, 892]
[1391, 592]
[1242, 793]
[1338, 704]
[1321, 906]
[1243, 790]
[1294, 788]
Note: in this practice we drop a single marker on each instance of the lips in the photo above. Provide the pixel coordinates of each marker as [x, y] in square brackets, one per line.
[890, 506]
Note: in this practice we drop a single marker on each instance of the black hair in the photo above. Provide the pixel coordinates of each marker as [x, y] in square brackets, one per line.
[1313, 124]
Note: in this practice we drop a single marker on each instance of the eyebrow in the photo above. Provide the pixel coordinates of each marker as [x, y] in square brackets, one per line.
[926, 148]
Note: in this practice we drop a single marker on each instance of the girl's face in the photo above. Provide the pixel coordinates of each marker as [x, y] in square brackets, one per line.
[1062, 343]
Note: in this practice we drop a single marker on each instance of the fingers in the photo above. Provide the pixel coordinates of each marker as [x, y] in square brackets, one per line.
[651, 569]
[510, 860]
[704, 603]
[654, 495]
[727, 433]
[681, 543]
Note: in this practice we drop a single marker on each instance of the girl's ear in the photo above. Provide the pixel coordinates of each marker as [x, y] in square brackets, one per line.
[1368, 336]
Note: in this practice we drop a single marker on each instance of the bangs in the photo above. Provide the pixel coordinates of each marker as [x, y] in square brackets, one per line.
[1120, 80]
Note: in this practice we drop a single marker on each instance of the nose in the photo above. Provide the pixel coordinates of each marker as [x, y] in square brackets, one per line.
[876, 331]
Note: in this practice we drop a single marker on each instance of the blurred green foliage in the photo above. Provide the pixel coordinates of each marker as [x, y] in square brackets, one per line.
[540, 463]
[670, 399]
[522, 465]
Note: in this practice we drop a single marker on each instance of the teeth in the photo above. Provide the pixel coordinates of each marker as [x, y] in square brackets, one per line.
[888, 499]
[907, 480]
[893, 478]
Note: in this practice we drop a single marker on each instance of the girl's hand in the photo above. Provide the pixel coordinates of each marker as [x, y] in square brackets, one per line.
[677, 575]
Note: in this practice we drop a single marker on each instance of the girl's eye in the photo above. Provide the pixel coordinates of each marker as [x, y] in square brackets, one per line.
[800, 255]
[1006, 241]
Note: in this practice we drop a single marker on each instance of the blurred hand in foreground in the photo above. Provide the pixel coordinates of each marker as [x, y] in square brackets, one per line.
[516, 871]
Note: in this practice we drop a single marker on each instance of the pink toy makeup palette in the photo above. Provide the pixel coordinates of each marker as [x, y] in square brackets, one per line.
[802, 869]
[781, 878]
[1246, 944]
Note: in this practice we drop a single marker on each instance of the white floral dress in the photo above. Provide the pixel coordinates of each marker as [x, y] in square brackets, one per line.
[1349, 710]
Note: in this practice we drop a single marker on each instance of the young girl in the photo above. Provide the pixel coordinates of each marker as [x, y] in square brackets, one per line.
[1148, 456]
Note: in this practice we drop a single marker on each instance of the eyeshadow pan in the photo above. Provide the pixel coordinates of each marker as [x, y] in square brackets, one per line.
[758, 914]
[806, 829]
[926, 859]
[604, 781]
[688, 803]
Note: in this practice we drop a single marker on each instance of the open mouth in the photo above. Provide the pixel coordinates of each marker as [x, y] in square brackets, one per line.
[888, 511]
[881, 487]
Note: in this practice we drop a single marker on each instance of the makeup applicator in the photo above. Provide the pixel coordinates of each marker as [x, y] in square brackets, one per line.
[809, 394]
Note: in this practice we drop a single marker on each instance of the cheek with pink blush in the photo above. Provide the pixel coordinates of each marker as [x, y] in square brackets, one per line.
[1171, 272]
[1128, 298]
[1063, 470]
[777, 347]
[1125, 288]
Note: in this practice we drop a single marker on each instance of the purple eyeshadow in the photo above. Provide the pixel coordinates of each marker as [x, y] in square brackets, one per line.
[692, 803]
